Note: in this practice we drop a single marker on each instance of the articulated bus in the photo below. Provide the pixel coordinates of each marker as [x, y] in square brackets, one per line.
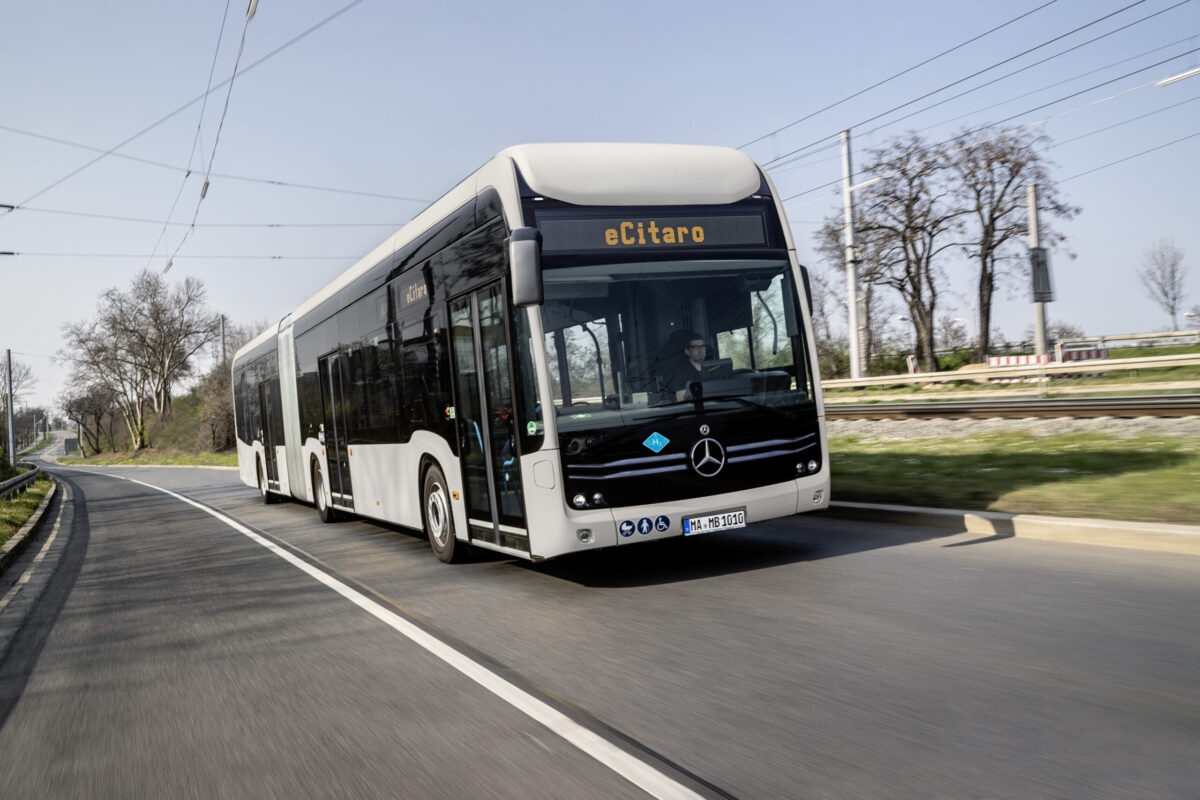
[579, 346]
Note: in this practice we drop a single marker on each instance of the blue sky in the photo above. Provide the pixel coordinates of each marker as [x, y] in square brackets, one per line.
[405, 99]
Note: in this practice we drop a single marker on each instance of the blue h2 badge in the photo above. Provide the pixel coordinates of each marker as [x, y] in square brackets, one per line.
[656, 442]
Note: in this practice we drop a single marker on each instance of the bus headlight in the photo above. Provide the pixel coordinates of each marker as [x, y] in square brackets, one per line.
[598, 499]
[579, 501]
[812, 466]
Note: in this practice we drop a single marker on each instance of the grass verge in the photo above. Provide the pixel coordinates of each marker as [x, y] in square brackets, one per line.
[1152, 479]
[45, 441]
[153, 456]
[16, 510]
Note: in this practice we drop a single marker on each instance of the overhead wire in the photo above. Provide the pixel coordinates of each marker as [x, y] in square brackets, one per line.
[196, 138]
[1122, 122]
[1129, 158]
[119, 218]
[975, 74]
[197, 257]
[216, 140]
[897, 75]
[223, 175]
[1047, 86]
[788, 162]
[1023, 113]
[192, 102]
[1037, 64]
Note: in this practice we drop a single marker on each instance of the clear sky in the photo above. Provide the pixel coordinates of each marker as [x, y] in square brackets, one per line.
[404, 99]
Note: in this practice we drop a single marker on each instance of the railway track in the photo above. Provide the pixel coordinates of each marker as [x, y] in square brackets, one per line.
[1180, 405]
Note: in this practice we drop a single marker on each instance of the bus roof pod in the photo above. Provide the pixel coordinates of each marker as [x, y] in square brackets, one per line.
[629, 174]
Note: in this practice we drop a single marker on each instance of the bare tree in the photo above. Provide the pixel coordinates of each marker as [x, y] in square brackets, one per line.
[141, 343]
[991, 179]
[1162, 277]
[23, 382]
[101, 357]
[1060, 330]
[909, 218]
[162, 328]
[874, 313]
[216, 395]
[91, 408]
[952, 333]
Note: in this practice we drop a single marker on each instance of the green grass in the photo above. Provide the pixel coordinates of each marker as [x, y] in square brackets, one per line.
[16, 510]
[44, 441]
[160, 456]
[1154, 479]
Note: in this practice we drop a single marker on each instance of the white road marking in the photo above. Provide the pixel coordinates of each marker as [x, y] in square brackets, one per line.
[633, 769]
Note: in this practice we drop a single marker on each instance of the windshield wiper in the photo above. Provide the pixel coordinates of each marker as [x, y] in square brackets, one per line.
[708, 399]
[748, 404]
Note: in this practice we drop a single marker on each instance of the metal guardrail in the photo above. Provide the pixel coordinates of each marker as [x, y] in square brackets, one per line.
[1033, 370]
[1187, 405]
[1142, 339]
[21, 482]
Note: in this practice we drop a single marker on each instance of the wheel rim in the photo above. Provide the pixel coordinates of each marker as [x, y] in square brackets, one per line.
[319, 490]
[438, 516]
[262, 484]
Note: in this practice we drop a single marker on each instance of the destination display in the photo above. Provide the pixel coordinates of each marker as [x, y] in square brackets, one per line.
[649, 232]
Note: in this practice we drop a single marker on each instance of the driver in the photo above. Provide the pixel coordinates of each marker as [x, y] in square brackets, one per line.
[692, 368]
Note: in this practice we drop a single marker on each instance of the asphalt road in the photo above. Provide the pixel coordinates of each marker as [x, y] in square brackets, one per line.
[172, 655]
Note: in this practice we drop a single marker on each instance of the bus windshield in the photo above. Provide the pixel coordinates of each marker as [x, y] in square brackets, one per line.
[630, 341]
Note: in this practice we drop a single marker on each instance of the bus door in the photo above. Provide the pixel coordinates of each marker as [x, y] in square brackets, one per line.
[332, 370]
[486, 427]
[268, 434]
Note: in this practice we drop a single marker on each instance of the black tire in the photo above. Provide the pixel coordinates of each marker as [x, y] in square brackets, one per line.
[263, 491]
[439, 519]
[324, 508]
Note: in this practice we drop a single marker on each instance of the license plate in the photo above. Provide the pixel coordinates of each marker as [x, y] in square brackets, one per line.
[724, 521]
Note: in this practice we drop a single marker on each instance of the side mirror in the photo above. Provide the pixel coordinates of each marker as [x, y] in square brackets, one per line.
[807, 288]
[525, 261]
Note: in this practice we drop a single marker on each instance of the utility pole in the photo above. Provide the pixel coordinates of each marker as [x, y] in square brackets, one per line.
[1039, 305]
[11, 445]
[854, 335]
[222, 339]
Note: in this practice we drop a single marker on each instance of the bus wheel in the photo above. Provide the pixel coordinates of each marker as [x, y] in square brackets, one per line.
[263, 492]
[323, 507]
[439, 521]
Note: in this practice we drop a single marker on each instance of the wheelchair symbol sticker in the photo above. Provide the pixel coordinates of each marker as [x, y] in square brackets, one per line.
[662, 523]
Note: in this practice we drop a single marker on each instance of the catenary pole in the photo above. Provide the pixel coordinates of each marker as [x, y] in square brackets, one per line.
[1039, 308]
[854, 334]
[11, 445]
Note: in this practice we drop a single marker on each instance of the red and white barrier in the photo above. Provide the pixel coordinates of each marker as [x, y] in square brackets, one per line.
[1047, 358]
[1020, 361]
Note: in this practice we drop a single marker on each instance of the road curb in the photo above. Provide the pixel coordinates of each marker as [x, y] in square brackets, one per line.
[1158, 536]
[20, 540]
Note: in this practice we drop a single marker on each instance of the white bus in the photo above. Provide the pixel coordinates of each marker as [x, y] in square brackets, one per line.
[579, 346]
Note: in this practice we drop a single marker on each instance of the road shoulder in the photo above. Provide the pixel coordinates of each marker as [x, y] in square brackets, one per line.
[1184, 539]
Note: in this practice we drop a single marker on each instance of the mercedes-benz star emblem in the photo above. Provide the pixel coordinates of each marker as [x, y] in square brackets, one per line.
[707, 457]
